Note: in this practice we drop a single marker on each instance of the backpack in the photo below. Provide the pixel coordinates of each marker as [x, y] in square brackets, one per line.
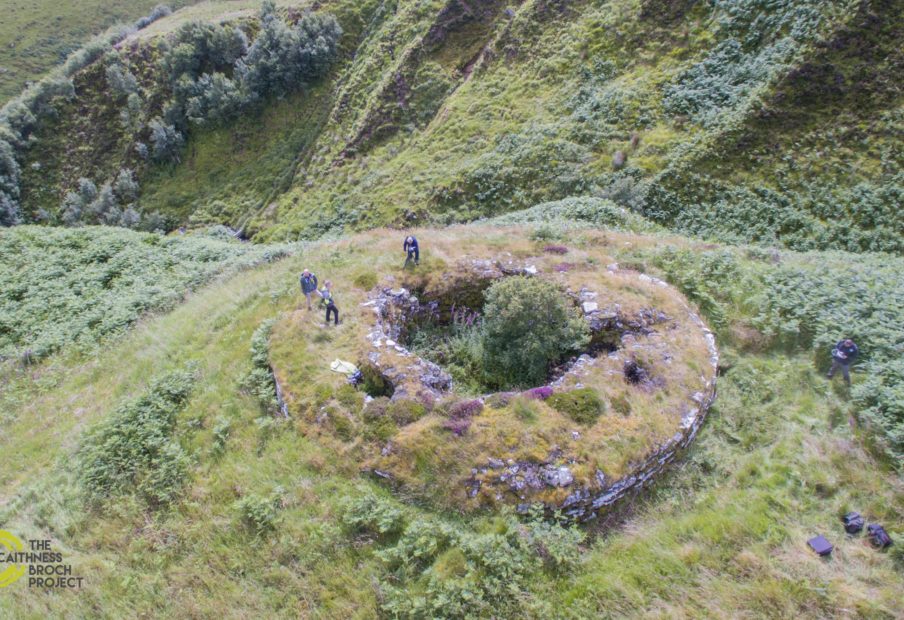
[878, 536]
[853, 522]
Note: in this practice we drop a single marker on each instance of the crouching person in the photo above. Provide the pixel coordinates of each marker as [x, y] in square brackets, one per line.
[412, 250]
[843, 355]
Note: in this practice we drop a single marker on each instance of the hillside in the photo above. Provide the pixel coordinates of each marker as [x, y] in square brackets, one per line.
[61, 287]
[275, 514]
[39, 34]
[710, 118]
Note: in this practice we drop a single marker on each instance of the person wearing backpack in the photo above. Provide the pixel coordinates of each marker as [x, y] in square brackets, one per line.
[410, 246]
[843, 355]
[329, 302]
[308, 283]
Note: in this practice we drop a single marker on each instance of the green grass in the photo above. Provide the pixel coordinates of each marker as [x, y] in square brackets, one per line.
[722, 535]
[76, 286]
[432, 116]
[39, 34]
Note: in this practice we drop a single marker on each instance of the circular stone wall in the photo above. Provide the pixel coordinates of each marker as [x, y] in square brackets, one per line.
[646, 345]
[651, 364]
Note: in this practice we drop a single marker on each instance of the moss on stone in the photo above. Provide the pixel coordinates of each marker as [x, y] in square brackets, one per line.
[583, 405]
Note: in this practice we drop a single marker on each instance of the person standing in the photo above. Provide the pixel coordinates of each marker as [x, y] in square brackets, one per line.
[308, 283]
[843, 355]
[413, 251]
[329, 302]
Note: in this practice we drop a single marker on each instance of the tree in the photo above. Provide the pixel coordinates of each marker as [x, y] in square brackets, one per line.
[105, 208]
[120, 79]
[72, 209]
[9, 185]
[87, 190]
[132, 116]
[204, 48]
[282, 59]
[131, 218]
[529, 325]
[167, 142]
[218, 99]
[125, 186]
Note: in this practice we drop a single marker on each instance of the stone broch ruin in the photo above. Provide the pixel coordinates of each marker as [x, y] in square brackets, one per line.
[413, 377]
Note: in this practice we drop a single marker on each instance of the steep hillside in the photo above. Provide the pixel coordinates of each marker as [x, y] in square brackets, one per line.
[712, 118]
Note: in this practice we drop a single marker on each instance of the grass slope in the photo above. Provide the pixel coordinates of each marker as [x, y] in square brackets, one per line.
[442, 111]
[39, 34]
[63, 286]
[724, 535]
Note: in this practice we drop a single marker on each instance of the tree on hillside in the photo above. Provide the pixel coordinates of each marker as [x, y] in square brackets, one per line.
[217, 99]
[167, 142]
[282, 58]
[9, 185]
[125, 186]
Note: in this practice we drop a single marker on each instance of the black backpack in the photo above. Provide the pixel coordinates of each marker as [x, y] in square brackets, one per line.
[878, 536]
[853, 522]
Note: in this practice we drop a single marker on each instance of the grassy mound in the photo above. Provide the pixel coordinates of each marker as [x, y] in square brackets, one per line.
[428, 440]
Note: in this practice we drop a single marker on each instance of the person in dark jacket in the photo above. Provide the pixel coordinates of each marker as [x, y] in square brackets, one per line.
[308, 283]
[843, 355]
[411, 248]
[329, 302]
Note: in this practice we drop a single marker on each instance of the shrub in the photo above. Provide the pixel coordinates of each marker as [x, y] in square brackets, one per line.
[158, 12]
[350, 398]
[460, 573]
[499, 400]
[378, 424]
[343, 426]
[558, 545]
[374, 515]
[529, 325]
[260, 514]
[133, 451]
[583, 405]
[366, 280]
[221, 431]
[373, 382]
[259, 381]
[457, 426]
[465, 409]
[405, 411]
[539, 393]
